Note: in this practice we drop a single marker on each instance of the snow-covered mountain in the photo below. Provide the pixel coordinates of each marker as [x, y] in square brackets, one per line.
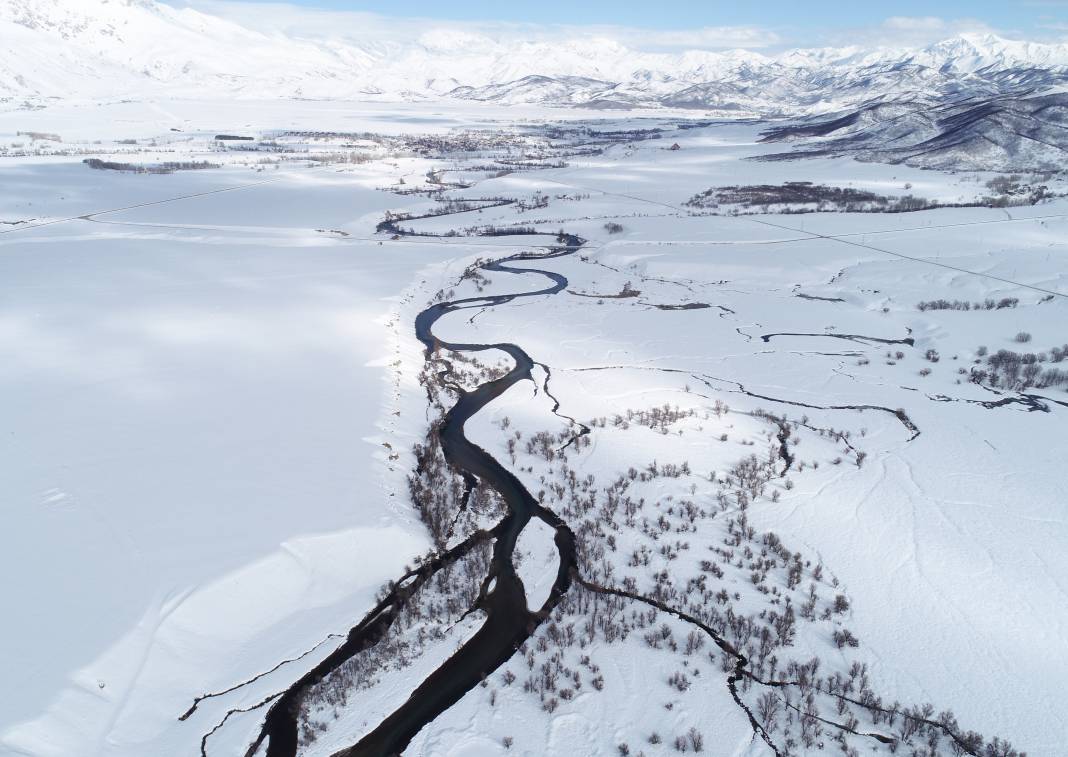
[140, 48]
[1000, 133]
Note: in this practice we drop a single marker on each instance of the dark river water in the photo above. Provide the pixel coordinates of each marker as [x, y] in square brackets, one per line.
[509, 622]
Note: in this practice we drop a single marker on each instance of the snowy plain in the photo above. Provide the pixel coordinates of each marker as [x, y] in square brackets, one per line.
[196, 401]
[959, 532]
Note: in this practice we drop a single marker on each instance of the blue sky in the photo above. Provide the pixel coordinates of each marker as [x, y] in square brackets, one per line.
[1007, 14]
[757, 24]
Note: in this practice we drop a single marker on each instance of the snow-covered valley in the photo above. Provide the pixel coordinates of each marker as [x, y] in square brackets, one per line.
[216, 420]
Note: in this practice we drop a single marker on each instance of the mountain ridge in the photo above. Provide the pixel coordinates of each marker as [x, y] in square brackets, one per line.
[143, 48]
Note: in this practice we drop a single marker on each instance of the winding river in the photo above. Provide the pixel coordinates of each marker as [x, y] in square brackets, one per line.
[508, 622]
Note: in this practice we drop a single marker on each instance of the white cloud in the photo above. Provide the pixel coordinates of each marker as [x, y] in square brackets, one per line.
[1058, 28]
[910, 31]
[710, 37]
[371, 29]
[269, 17]
[915, 23]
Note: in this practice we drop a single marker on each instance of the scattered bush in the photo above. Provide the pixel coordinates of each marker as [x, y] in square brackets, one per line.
[162, 168]
[1016, 371]
[989, 304]
[845, 638]
[810, 197]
